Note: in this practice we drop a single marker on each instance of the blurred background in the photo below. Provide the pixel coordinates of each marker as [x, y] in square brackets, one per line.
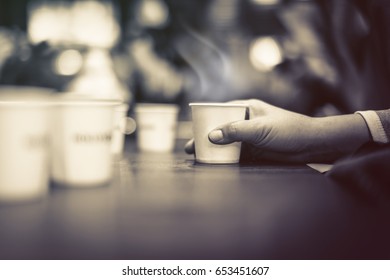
[178, 51]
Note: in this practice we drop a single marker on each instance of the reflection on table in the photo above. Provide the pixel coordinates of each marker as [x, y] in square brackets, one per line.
[165, 206]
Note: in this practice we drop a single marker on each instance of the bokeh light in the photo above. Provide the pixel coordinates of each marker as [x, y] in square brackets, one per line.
[265, 53]
[89, 23]
[153, 13]
[266, 2]
[68, 62]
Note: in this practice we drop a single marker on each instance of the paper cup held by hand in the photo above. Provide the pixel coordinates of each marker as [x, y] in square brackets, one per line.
[208, 116]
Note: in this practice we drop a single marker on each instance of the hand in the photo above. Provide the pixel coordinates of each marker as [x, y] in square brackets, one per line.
[277, 134]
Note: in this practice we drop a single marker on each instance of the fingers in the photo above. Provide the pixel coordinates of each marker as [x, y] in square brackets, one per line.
[255, 107]
[245, 131]
[189, 148]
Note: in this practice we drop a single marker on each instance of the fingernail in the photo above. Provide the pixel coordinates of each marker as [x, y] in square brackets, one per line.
[216, 135]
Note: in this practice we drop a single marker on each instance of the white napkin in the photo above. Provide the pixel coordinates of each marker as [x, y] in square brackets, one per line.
[320, 167]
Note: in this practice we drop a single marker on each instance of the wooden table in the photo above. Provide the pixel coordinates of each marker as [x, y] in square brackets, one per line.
[164, 206]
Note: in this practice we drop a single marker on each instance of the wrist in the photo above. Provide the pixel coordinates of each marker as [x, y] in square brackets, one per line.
[342, 134]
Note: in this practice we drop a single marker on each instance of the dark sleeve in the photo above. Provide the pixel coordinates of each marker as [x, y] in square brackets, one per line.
[365, 173]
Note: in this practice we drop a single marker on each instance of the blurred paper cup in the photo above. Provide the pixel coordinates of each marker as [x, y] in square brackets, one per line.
[156, 127]
[82, 141]
[24, 143]
[208, 116]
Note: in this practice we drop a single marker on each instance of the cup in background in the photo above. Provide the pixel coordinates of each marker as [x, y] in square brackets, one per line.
[82, 141]
[24, 143]
[156, 126]
[205, 118]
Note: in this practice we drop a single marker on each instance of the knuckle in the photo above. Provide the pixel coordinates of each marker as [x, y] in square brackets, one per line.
[231, 130]
[252, 103]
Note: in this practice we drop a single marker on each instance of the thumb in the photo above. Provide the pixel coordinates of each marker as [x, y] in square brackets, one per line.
[233, 132]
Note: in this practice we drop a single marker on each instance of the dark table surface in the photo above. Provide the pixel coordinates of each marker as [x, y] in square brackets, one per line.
[164, 206]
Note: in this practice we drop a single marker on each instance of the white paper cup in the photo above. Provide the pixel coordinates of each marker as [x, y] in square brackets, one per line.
[24, 143]
[208, 116]
[82, 142]
[156, 127]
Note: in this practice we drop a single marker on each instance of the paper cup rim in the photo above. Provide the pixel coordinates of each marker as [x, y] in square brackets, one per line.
[122, 107]
[156, 108]
[26, 102]
[77, 99]
[14, 89]
[33, 96]
[8, 104]
[216, 104]
[48, 103]
[26, 96]
[81, 103]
